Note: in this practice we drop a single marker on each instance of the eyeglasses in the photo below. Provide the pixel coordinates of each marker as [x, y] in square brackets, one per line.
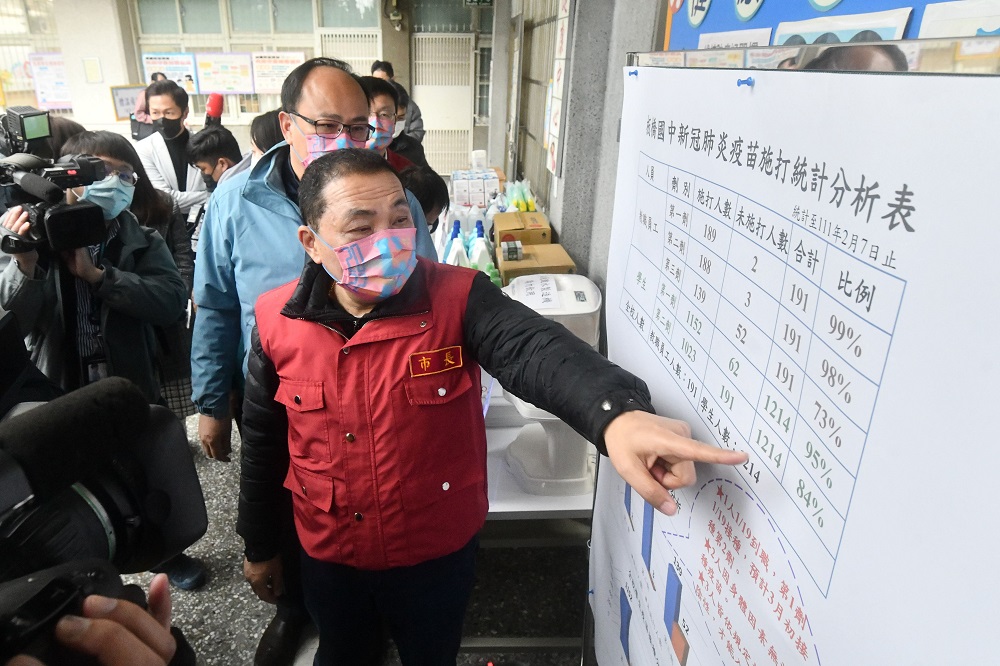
[332, 129]
[126, 176]
[386, 117]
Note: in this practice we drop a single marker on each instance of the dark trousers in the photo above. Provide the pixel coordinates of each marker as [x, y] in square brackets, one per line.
[423, 607]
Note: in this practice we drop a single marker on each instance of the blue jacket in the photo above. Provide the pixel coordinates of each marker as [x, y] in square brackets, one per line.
[249, 245]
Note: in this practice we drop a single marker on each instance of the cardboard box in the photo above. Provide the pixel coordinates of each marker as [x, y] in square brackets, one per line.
[529, 228]
[551, 258]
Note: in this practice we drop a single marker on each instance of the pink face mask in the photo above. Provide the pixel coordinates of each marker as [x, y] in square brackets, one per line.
[383, 134]
[317, 146]
[377, 266]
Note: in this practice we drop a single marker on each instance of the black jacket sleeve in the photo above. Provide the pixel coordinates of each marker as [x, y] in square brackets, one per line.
[264, 503]
[540, 361]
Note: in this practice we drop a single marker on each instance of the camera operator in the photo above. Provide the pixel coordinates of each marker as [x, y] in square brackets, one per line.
[117, 632]
[89, 313]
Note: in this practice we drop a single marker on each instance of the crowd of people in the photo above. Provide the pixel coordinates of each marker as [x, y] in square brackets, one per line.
[293, 289]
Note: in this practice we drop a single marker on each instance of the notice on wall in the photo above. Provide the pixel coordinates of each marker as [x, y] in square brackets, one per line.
[178, 67]
[48, 71]
[270, 68]
[125, 98]
[229, 73]
[815, 286]
[968, 18]
[876, 26]
[735, 39]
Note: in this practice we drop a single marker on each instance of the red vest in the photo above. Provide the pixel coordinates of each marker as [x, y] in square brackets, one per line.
[385, 430]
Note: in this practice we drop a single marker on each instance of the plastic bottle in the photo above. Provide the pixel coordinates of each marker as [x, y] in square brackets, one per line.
[469, 226]
[456, 232]
[456, 255]
[480, 254]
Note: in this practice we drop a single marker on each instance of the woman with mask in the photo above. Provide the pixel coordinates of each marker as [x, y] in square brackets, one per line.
[156, 210]
[90, 312]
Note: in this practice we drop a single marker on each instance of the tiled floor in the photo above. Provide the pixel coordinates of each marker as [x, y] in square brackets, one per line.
[522, 591]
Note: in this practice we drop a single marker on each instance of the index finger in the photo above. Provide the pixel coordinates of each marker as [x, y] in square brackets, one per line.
[682, 448]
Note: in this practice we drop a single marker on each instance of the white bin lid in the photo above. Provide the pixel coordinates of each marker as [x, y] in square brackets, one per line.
[572, 300]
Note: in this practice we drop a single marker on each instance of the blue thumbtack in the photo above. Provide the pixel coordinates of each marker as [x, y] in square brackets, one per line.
[745, 82]
[634, 73]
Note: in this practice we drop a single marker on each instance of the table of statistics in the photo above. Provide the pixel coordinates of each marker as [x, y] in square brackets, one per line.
[775, 330]
[803, 269]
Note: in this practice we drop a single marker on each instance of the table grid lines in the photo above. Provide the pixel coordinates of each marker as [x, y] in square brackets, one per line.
[834, 437]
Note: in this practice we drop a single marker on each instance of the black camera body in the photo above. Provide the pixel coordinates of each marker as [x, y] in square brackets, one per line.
[31, 606]
[28, 178]
[92, 484]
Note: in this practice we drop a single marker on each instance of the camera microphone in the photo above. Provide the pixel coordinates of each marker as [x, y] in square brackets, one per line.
[38, 187]
[213, 110]
[60, 442]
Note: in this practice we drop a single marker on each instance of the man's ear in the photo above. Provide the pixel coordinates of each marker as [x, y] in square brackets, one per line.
[308, 241]
[285, 122]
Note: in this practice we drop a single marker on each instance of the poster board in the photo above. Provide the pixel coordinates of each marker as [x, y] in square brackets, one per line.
[270, 68]
[831, 310]
[179, 68]
[226, 73]
[124, 99]
[48, 72]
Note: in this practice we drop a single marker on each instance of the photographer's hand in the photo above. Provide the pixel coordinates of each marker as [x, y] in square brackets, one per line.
[266, 578]
[80, 264]
[119, 633]
[16, 220]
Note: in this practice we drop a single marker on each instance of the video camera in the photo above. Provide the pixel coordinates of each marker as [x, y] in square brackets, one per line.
[97, 474]
[29, 178]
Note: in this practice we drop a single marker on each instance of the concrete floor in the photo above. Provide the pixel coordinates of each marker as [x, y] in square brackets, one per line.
[520, 591]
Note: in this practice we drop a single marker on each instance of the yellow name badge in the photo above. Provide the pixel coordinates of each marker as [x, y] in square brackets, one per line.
[433, 362]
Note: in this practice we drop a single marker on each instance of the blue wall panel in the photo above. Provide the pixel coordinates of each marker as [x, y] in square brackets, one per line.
[722, 17]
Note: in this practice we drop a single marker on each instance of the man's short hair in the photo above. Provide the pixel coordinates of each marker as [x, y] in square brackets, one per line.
[384, 66]
[212, 143]
[376, 86]
[168, 87]
[291, 89]
[330, 167]
[402, 97]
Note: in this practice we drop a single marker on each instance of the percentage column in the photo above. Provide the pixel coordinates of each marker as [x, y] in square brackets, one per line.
[821, 515]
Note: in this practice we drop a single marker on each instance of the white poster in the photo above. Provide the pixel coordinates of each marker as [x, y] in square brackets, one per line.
[735, 39]
[228, 73]
[48, 72]
[876, 26]
[178, 67]
[271, 67]
[968, 18]
[817, 287]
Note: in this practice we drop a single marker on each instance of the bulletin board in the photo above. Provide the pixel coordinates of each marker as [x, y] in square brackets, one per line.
[805, 269]
[693, 24]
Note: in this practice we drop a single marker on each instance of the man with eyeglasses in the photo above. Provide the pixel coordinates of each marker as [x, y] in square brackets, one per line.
[249, 245]
[164, 153]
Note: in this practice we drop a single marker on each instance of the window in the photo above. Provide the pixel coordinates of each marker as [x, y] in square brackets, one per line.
[441, 16]
[484, 58]
[350, 13]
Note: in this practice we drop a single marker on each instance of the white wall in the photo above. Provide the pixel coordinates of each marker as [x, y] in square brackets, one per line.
[95, 29]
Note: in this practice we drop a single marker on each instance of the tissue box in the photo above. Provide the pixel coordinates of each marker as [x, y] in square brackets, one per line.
[529, 228]
[549, 258]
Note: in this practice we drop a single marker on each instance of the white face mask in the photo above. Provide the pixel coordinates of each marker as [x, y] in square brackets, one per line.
[254, 159]
[399, 129]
